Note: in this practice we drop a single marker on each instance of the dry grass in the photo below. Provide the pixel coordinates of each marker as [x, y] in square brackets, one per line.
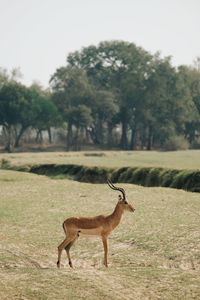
[114, 159]
[154, 253]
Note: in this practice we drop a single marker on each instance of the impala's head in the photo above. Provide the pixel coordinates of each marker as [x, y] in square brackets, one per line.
[122, 198]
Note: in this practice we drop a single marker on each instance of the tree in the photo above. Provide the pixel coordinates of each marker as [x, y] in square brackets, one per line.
[168, 103]
[191, 80]
[72, 94]
[118, 67]
[104, 110]
[4, 77]
[22, 108]
[124, 84]
[81, 118]
[157, 115]
[44, 112]
[12, 104]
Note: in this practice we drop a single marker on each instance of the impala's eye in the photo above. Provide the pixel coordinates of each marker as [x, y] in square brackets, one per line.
[125, 202]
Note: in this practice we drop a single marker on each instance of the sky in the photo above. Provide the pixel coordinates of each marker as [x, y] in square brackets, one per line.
[37, 35]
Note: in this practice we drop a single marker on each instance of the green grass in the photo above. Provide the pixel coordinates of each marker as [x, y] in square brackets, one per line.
[112, 159]
[154, 253]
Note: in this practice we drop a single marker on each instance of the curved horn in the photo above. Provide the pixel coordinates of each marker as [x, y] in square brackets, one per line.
[111, 185]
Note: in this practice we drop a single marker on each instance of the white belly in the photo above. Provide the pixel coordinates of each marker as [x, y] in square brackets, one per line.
[93, 231]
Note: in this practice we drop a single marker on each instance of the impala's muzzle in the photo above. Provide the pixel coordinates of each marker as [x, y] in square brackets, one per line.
[132, 209]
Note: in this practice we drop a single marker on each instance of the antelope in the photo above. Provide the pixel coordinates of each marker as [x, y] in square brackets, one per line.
[101, 226]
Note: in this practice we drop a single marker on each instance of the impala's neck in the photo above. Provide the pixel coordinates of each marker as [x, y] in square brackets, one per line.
[116, 216]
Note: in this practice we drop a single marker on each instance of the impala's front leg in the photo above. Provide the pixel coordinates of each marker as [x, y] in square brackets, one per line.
[105, 245]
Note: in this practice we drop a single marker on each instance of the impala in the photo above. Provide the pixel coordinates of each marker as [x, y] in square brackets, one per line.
[100, 226]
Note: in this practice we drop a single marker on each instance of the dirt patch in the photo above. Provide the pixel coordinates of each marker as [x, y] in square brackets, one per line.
[17, 260]
[185, 265]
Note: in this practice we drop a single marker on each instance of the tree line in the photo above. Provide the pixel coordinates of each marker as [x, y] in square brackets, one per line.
[114, 95]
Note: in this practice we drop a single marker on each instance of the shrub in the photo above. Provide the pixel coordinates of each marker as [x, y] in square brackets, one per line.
[154, 177]
[126, 176]
[187, 180]
[193, 181]
[5, 164]
[180, 179]
[117, 173]
[139, 176]
[176, 142]
[167, 177]
[94, 174]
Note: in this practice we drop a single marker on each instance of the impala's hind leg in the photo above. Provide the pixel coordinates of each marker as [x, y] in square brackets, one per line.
[67, 248]
[63, 245]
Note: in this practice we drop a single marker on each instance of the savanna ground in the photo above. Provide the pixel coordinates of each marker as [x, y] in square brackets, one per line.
[154, 253]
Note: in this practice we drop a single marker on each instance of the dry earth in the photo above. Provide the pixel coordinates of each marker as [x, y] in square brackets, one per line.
[154, 253]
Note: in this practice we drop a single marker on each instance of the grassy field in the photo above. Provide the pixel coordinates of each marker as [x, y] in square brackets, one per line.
[114, 159]
[154, 253]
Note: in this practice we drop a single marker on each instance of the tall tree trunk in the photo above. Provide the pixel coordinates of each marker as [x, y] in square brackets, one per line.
[19, 136]
[100, 131]
[133, 137]
[93, 135]
[49, 135]
[9, 138]
[39, 137]
[150, 138]
[124, 121]
[110, 141]
[124, 138]
[69, 137]
[76, 139]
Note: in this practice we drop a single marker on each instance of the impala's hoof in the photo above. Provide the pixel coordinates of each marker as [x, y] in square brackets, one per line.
[58, 264]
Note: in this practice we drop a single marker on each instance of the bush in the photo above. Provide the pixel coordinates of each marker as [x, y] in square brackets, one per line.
[167, 177]
[176, 142]
[181, 179]
[193, 181]
[139, 176]
[188, 180]
[116, 174]
[154, 177]
[126, 176]
[5, 164]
